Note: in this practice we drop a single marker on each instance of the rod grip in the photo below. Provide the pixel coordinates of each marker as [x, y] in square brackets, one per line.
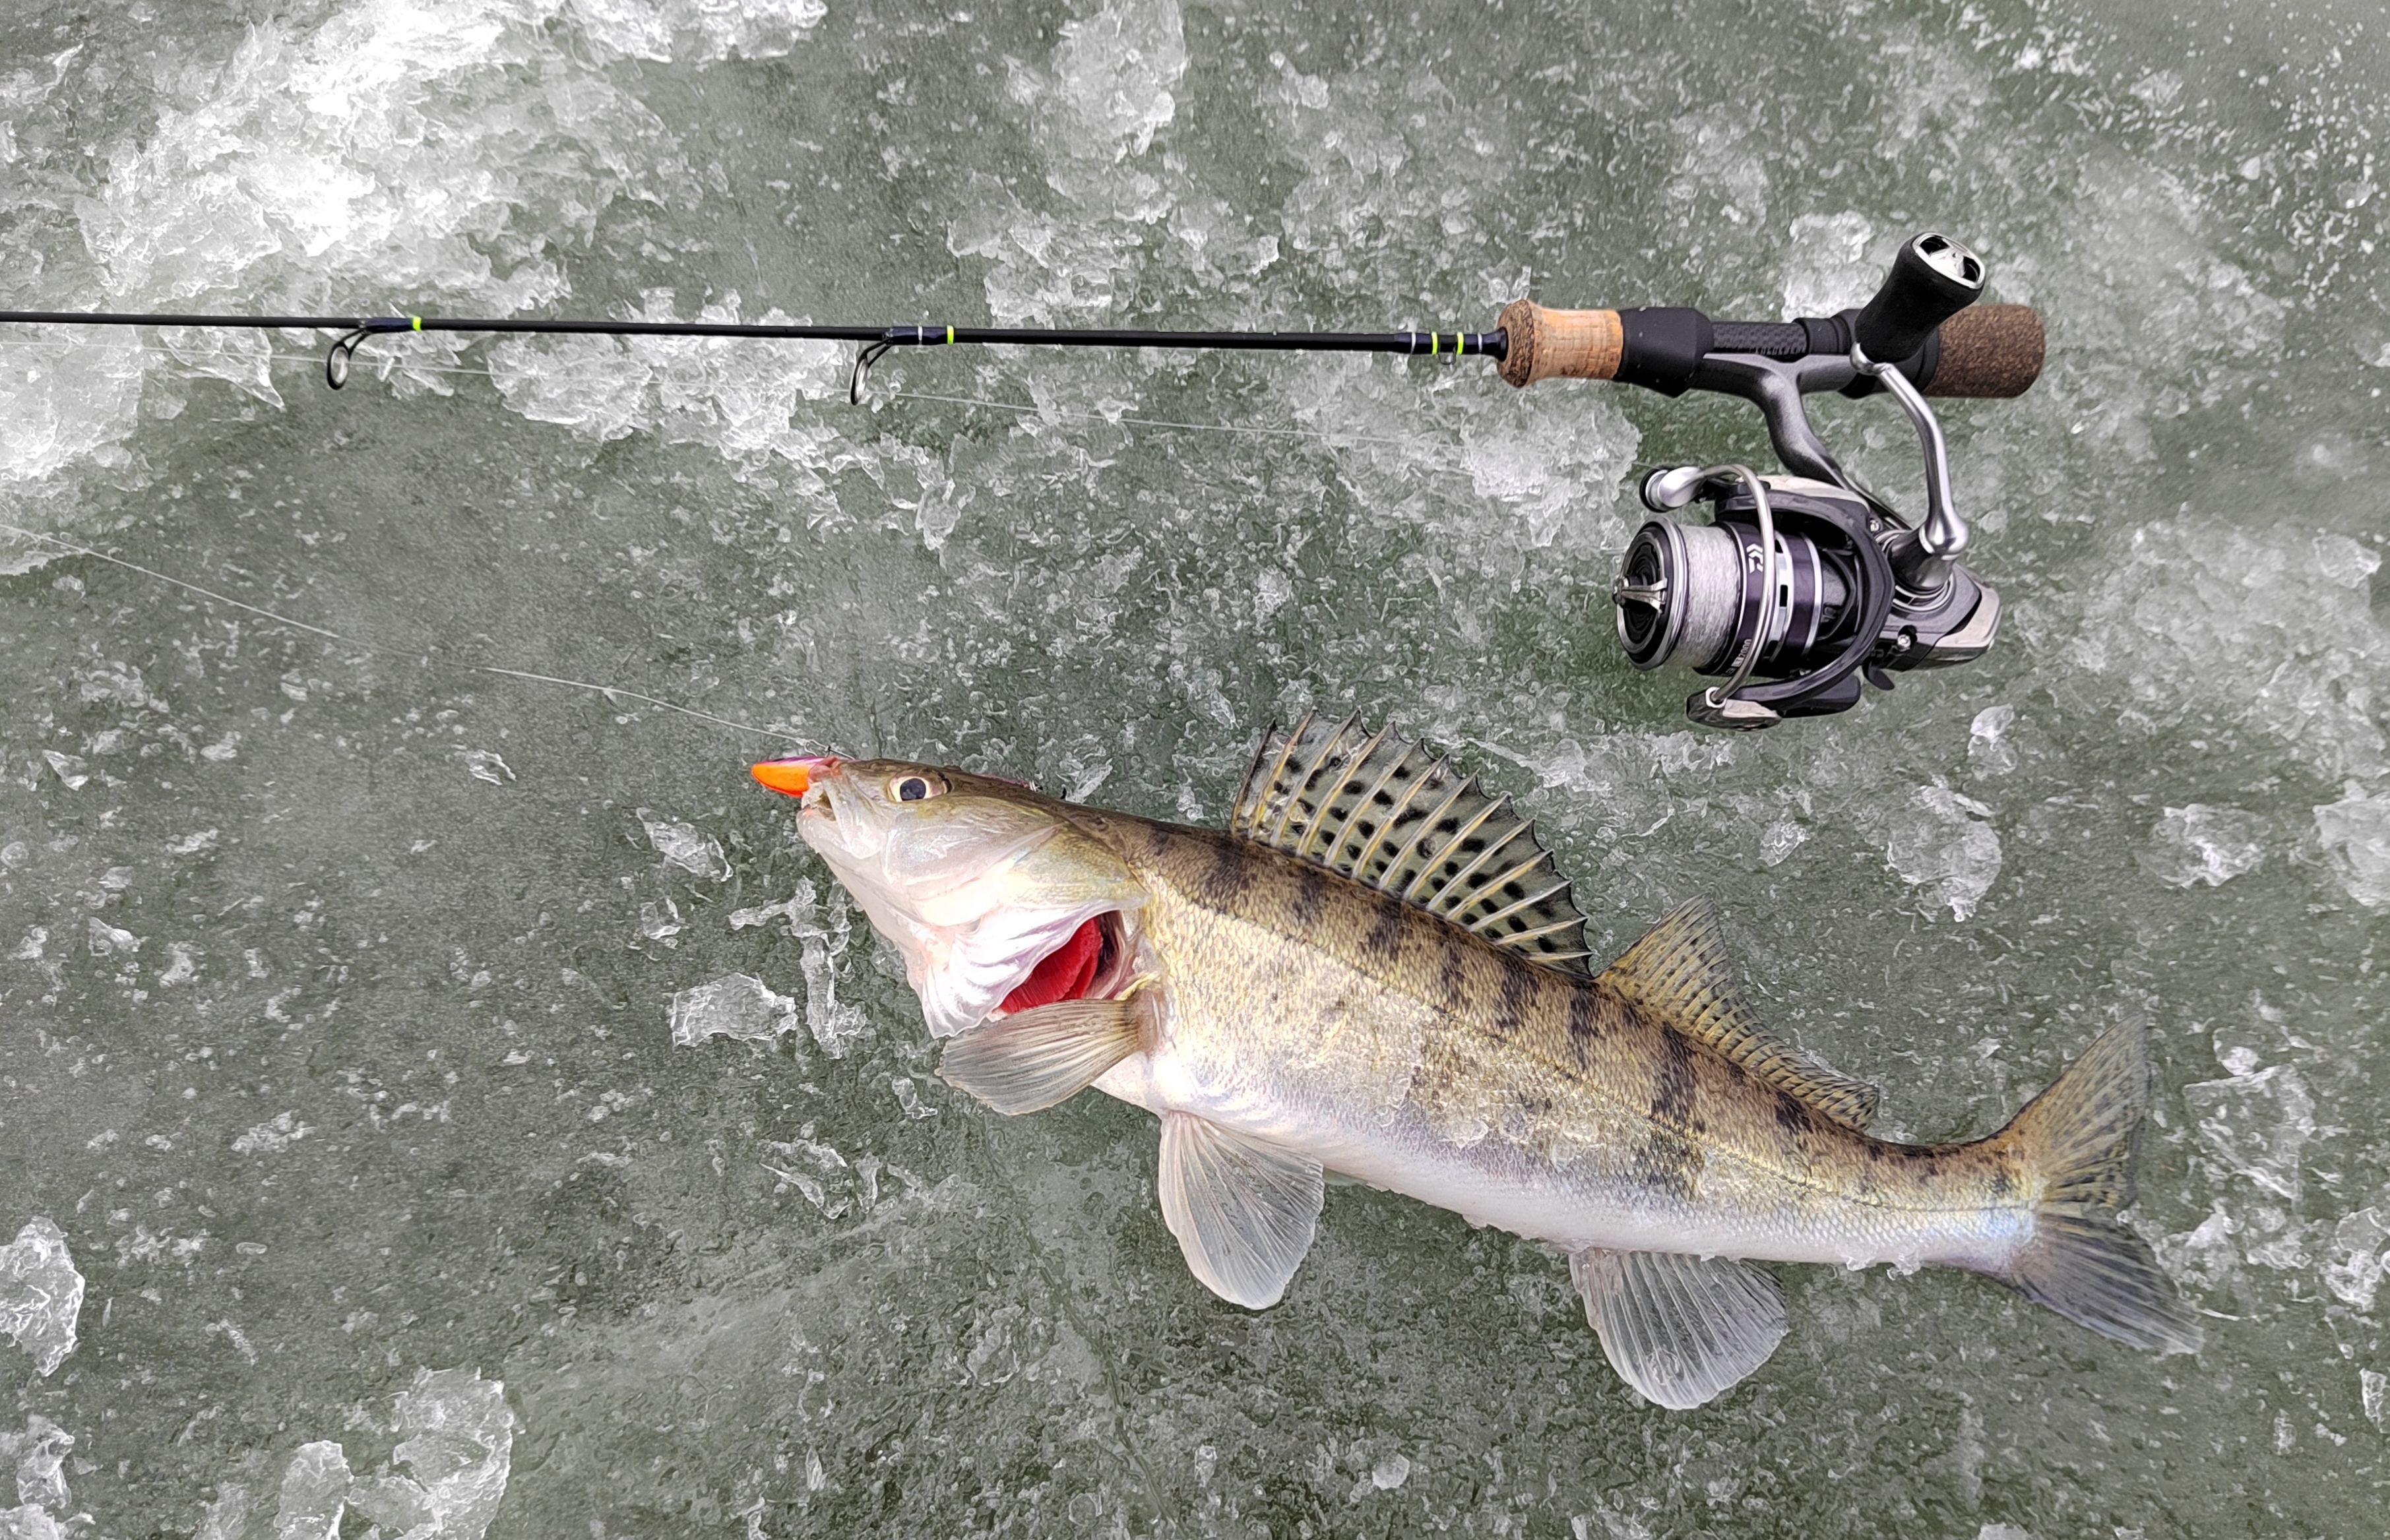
[1988, 352]
[1564, 344]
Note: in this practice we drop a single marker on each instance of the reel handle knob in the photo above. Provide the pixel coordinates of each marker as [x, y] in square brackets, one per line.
[1932, 279]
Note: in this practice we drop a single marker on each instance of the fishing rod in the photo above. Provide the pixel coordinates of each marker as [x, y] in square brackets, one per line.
[1803, 584]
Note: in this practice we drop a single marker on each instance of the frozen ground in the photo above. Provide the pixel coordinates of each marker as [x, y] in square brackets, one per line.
[436, 1101]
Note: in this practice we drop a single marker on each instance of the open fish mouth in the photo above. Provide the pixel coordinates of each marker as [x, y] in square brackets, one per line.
[1093, 963]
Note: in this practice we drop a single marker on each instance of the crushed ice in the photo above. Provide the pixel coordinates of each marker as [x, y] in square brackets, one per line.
[735, 1005]
[40, 1295]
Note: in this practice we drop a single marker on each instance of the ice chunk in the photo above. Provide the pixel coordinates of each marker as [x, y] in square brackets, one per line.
[272, 1137]
[2355, 829]
[70, 768]
[483, 765]
[2199, 843]
[2256, 1125]
[735, 1005]
[228, 1517]
[40, 1295]
[41, 1454]
[684, 846]
[817, 1171]
[30, 1522]
[2374, 1391]
[1988, 748]
[2345, 563]
[1391, 1471]
[457, 1437]
[314, 1493]
[1942, 843]
[2356, 1267]
[908, 1097]
[697, 31]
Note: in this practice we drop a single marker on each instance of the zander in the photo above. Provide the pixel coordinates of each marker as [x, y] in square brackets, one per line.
[1375, 972]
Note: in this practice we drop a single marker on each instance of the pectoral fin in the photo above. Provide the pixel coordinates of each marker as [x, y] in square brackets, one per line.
[1681, 1330]
[1029, 1060]
[1244, 1212]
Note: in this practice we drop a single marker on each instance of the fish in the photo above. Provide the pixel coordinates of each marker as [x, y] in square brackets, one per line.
[1375, 973]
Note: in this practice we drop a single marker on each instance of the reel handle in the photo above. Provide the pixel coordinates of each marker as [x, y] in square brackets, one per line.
[1989, 352]
[1932, 279]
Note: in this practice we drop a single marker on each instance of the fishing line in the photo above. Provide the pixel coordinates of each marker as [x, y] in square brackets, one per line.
[609, 691]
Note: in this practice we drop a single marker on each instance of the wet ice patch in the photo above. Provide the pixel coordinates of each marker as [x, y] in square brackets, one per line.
[1826, 266]
[2255, 1122]
[735, 1005]
[40, 1295]
[684, 846]
[2199, 843]
[2356, 832]
[1944, 845]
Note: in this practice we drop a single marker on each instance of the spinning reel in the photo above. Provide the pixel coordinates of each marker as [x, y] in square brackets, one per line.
[1808, 583]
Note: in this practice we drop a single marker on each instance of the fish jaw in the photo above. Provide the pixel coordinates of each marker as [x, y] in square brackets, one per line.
[974, 882]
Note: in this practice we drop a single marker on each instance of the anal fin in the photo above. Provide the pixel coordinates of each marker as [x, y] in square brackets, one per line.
[1680, 970]
[1029, 1060]
[1681, 1330]
[1244, 1212]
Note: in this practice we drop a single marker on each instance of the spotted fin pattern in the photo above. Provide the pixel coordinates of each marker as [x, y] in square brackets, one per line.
[1375, 809]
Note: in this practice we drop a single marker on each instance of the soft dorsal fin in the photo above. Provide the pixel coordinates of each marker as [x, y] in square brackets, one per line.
[1375, 809]
[1680, 970]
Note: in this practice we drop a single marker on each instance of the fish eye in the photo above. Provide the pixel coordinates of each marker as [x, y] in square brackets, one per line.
[912, 788]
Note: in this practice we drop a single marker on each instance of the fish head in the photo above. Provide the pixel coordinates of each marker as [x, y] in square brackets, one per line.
[989, 889]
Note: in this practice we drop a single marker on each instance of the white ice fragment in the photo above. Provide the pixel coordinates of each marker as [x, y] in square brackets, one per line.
[2355, 1268]
[1942, 843]
[2199, 843]
[909, 1098]
[2003, 1532]
[41, 1454]
[2355, 829]
[314, 1493]
[827, 1181]
[1782, 837]
[660, 922]
[182, 965]
[192, 845]
[106, 940]
[2345, 562]
[1390, 1472]
[15, 853]
[228, 1517]
[40, 1293]
[458, 1440]
[2256, 1125]
[71, 768]
[735, 1005]
[697, 31]
[1987, 748]
[244, 359]
[272, 1137]
[223, 749]
[483, 765]
[2373, 1390]
[684, 846]
[31, 1522]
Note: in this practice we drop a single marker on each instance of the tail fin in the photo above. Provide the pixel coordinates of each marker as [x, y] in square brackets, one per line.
[2082, 1261]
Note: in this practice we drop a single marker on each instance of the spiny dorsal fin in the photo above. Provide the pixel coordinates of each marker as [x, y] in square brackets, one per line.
[1375, 809]
[1680, 970]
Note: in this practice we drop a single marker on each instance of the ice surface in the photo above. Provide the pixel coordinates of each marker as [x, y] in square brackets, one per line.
[1942, 843]
[315, 1493]
[40, 1295]
[2256, 1123]
[335, 970]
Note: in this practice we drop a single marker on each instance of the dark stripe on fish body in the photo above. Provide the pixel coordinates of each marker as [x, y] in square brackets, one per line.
[1670, 1160]
[1231, 869]
[1511, 1007]
[1386, 934]
[1584, 1025]
[1310, 896]
[1452, 973]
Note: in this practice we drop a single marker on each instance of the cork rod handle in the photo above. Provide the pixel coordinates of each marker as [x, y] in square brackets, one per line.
[1560, 344]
